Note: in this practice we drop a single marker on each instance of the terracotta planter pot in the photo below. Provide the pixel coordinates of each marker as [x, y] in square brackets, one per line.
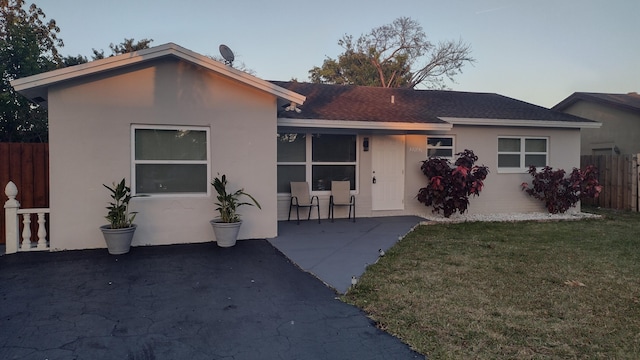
[226, 233]
[118, 240]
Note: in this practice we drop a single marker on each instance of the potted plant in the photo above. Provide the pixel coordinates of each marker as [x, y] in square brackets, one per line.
[119, 232]
[226, 226]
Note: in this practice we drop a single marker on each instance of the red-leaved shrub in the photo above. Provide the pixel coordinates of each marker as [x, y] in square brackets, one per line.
[560, 193]
[449, 186]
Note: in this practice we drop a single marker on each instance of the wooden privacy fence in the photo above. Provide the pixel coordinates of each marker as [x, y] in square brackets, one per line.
[27, 165]
[619, 177]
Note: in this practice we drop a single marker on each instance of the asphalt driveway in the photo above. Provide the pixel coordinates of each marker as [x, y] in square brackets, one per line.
[191, 302]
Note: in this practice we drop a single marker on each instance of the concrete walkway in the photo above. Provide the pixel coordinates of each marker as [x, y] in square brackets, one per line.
[181, 302]
[334, 252]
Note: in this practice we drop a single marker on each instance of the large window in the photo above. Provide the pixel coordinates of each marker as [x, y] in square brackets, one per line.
[170, 160]
[317, 159]
[518, 153]
[440, 146]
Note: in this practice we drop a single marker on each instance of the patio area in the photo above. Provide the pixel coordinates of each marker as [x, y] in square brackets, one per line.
[334, 252]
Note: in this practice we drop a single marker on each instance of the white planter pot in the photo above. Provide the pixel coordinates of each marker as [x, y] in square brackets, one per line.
[118, 240]
[226, 233]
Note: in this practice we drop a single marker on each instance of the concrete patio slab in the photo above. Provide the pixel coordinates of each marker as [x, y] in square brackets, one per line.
[334, 252]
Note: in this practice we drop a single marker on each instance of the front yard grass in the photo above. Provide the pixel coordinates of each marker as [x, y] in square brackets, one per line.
[526, 290]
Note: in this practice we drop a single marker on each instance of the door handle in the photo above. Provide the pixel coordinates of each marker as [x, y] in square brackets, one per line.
[374, 179]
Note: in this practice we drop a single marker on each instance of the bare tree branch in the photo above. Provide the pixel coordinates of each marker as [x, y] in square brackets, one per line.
[447, 60]
[392, 52]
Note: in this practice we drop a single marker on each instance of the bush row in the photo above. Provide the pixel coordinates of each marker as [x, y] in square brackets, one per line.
[449, 186]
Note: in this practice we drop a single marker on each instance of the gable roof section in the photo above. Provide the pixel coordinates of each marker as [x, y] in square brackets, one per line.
[629, 101]
[409, 109]
[35, 87]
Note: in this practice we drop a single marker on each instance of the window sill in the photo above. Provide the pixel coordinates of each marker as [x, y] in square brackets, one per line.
[513, 170]
[172, 196]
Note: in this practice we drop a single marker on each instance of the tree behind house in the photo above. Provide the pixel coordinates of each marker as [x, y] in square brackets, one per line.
[28, 46]
[394, 55]
[127, 46]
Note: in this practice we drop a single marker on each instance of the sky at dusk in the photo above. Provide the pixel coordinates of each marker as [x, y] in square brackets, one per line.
[536, 51]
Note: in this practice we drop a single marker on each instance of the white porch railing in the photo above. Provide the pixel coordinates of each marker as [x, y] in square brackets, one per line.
[17, 240]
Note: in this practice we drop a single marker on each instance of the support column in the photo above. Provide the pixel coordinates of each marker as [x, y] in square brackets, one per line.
[11, 207]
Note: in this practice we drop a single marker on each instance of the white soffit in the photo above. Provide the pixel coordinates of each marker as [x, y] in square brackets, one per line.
[521, 123]
[36, 85]
[364, 125]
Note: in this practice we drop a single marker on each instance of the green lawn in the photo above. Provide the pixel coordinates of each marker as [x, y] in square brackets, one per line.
[526, 290]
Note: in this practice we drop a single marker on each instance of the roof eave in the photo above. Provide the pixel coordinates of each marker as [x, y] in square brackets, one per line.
[37, 85]
[363, 125]
[593, 98]
[567, 102]
[523, 123]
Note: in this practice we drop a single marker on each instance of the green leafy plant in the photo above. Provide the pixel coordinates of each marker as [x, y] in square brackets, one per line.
[561, 193]
[450, 186]
[119, 216]
[229, 202]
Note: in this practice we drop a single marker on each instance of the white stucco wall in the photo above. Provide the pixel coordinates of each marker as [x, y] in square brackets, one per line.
[502, 192]
[90, 144]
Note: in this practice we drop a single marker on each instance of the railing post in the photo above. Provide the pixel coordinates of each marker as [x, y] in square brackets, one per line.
[42, 232]
[26, 232]
[11, 207]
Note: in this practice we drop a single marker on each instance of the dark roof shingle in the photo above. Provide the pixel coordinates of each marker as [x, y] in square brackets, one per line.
[629, 101]
[362, 103]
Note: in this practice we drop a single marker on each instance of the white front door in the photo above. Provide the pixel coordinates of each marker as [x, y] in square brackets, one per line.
[387, 175]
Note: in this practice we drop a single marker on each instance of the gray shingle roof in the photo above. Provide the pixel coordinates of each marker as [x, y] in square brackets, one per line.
[362, 103]
[629, 101]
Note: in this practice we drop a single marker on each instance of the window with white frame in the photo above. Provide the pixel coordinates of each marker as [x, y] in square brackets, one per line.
[440, 146]
[317, 159]
[518, 153]
[170, 160]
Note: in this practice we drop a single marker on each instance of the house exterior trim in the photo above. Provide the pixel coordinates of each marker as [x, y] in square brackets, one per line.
[362, 125]
[627, 102]
[522, 123]
[36, 85]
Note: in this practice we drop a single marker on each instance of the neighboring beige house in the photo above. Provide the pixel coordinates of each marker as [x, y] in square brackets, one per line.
[169, 120]
[620, 118]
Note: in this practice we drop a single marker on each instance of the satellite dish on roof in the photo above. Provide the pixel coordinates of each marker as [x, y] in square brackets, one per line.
[227, 54]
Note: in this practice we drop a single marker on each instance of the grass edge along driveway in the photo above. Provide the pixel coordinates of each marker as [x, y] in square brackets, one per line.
[561, 289]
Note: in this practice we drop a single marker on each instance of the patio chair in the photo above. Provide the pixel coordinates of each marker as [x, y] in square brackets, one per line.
[341, 196]
[300, 198]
